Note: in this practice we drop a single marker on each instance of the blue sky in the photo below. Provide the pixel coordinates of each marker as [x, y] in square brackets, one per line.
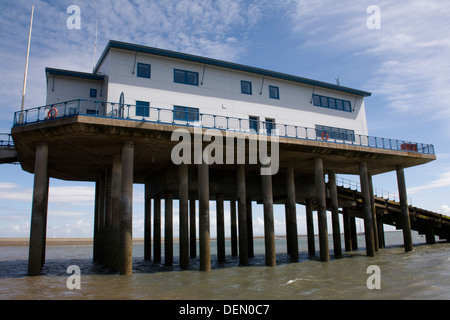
[405, 64]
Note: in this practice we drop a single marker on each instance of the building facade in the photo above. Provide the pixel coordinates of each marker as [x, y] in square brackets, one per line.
[148, 79]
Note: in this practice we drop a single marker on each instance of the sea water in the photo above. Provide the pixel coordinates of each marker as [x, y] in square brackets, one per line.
[423, 273]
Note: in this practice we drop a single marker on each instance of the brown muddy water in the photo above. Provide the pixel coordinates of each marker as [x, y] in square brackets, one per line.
[421, 274]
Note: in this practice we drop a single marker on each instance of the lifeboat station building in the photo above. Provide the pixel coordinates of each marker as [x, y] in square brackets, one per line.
[198, 129]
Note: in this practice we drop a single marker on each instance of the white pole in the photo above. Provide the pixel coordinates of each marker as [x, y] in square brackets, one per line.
[26, 65]
[95, 45]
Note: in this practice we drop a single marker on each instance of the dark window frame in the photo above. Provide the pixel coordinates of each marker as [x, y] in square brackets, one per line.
[189, 114]
[142, 108]
[243, 83]
[185, 77]
[333, 133]
[93, 93]
[143, 73]
[277, 92]
[331, 103]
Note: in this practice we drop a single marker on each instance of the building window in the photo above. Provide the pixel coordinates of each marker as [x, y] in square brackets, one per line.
[331, 133]
[253, 123]
[274, 92]
[270, 125]
[185, 114]
[246, 87]
[142, 108]
[93, 93]
[186, 77]
[331, 103]
[143, 70]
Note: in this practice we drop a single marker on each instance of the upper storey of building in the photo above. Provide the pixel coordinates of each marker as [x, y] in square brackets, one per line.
[146, 79]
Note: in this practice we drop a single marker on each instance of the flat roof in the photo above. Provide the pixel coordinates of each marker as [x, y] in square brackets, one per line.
[76, 74]
[223, 64]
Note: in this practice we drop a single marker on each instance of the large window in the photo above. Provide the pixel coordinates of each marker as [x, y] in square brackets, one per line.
[331, 103]
[246, 87]
[185, 114]
[143, 70]
[142, 108]
[331, 133]
[186, 77]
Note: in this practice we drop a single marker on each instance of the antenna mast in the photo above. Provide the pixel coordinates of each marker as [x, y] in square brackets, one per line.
[95, 44]
[26, 64]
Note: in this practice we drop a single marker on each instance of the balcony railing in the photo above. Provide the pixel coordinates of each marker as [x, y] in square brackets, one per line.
[6, 140]
[169, 116]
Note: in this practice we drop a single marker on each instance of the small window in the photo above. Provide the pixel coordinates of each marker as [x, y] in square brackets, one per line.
[143, 70]
[246, 87]
[274, 92]
[185, 114]
[93, 93]
[186, 77]
[142, 108]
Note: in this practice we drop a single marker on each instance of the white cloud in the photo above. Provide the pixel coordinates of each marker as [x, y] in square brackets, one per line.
[408, 56]
[441, 182]
[445, 209]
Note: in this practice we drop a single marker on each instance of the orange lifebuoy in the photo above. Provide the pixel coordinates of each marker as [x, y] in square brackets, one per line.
[325, 136]
[52, 113]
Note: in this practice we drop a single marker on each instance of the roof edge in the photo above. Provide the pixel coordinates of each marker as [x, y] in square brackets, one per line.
[77, 74]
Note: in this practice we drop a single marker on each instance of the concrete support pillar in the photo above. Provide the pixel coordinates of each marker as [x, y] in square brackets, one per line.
[406, 224]
[126, 237]
[374, 214]
[168, 229]
[183, 177]
[291, 215]
[310, 228]
[192, 230]
[115, 221]
[269, 230]
[147, 222]
[220, 225]
[242, 214]
[251, 251]
[38, 231]
[430, 236]
[322, 210]
[101, 222]
[347, 229]
[381, 241]
[96, 239]
[367, 213]
[234, 242]
[203, 195]
[157, 230]
[354, 233]
[335, 214]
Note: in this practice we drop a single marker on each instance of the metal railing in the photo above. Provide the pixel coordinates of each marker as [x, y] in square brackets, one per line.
[353, 185]
[6, 140]
[188, 118]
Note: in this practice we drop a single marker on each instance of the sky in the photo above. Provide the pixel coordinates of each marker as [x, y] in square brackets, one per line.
[399, 53]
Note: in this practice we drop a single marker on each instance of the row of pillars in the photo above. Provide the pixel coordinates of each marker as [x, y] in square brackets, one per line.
[113, 216]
